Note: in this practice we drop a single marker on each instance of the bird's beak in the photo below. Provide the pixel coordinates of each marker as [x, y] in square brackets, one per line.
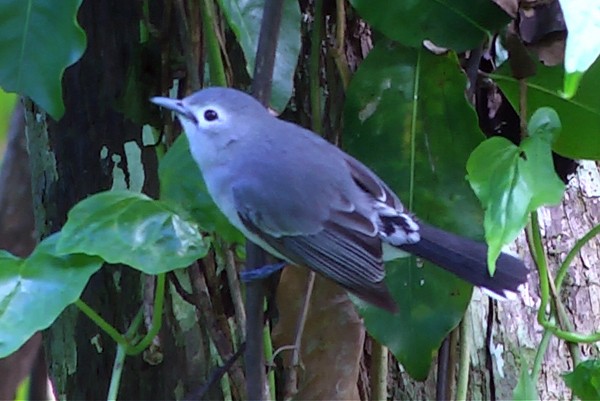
[175, 105]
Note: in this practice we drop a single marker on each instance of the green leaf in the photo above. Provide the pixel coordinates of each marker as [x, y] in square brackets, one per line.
[34, 291]
[580, 115]
[458, 25]
[495, 178]
[585, 380]
[525, 389]
[7, 107]
[130, 228]
[512, 181]
[38, 40]
[582, 48]
[245, 17]
[183, 188]
[420, 150]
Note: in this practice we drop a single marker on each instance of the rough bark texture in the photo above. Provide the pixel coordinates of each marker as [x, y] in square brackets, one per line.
[17, 236]
[84, 153]
[497, 351]
[516, 331]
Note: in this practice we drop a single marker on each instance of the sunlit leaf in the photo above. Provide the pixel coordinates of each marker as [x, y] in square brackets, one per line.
[512, 181]
[34, 291]
[130, 228]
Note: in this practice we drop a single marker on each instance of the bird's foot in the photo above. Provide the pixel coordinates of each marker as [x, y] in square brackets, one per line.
[260, 272]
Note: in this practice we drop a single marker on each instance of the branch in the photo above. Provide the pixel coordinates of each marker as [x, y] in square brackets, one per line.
[261, 89]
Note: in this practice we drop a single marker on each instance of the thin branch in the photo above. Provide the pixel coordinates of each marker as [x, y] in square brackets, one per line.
[189, 33]
[216, 376]
[206, 319]
[441, 388]
[261, 89]
[186, 296]
[236, 291]
[291, 387]
[464, 359]
[379, 370]
[339, 55]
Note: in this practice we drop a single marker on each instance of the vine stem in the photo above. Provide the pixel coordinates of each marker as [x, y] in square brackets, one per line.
[537, 251]
[115, 379]
[564, 267]
[100, 322]
[464, 357]
[539, 355]
[117, 372]
[157, 312]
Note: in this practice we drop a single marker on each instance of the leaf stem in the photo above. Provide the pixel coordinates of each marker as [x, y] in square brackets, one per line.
[100, 322]
[537, 248]
[115, 378]
[117, 372]
[159, 298]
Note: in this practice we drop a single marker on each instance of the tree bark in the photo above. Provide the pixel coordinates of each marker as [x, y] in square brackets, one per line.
[17, 237]
[84, 153]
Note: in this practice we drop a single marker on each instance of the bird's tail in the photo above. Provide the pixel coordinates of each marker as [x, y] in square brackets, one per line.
[467, 259]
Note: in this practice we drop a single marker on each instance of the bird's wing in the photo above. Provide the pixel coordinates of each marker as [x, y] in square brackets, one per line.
[371, 184]
[340, 244]
[395, 225]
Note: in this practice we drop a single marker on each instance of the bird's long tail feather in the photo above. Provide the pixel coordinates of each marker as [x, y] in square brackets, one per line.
[467, 259]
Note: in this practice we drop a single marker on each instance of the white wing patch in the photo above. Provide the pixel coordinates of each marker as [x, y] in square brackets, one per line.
[396, 227]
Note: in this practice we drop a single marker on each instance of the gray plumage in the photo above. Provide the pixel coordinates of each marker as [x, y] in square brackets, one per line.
[306, 201]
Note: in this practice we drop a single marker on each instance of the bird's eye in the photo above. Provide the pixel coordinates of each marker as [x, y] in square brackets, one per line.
[210, 115]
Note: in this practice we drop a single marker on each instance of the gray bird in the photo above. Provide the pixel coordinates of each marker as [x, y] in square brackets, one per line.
[306, 201]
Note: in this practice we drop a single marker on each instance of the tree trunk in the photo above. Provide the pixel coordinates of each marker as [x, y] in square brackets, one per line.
[504, 335]
[84, 153]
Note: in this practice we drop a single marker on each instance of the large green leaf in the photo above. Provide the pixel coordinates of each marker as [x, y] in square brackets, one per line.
[182, 187]
[512, 181]
[7, 106]
[455, 24]
[420, 149]
[585, 380]
[38, 40]
[245, 17]
[579, 116]
[34, 291]
[130, 228]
